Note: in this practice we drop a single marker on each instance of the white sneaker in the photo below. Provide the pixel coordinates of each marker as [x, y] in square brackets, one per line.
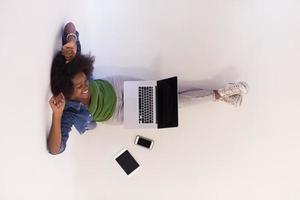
[235, 100]
[234, 88]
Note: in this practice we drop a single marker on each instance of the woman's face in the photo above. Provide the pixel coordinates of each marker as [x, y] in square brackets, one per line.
[81, 87]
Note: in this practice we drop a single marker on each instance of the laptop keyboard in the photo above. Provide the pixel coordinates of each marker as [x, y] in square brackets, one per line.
[145, 104]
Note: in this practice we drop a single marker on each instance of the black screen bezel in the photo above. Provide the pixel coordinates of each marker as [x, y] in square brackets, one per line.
[145, 139]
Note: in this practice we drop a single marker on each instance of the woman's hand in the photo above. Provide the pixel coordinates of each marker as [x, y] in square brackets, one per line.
[69, 50]
[57, 104]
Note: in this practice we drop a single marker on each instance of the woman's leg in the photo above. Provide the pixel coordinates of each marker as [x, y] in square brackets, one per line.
[231, 94]
[190, 95]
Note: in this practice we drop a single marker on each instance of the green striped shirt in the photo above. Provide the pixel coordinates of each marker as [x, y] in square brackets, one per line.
[103, 100]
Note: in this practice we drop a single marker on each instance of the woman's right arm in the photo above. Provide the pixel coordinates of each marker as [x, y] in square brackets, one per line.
[69, 49]
[55, 137]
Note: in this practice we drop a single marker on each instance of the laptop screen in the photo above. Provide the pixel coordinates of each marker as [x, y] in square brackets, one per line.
[167, 103]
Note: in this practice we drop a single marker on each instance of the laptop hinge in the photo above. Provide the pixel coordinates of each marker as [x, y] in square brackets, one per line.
[156, 105]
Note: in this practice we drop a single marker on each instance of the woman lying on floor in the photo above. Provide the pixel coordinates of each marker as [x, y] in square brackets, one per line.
[81, 101]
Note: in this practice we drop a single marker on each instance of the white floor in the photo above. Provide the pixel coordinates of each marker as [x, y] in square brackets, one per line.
[218, 153]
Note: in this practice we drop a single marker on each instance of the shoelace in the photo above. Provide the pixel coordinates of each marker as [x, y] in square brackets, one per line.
[234, 100]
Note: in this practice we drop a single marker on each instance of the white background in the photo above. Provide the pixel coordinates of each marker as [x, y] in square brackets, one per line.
[218, 153]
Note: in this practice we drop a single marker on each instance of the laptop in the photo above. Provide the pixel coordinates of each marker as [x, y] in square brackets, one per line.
[151, 104]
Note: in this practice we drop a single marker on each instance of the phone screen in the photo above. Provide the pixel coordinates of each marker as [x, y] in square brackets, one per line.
[143, 142]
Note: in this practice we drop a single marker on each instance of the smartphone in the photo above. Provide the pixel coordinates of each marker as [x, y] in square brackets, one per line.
[144, 142]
